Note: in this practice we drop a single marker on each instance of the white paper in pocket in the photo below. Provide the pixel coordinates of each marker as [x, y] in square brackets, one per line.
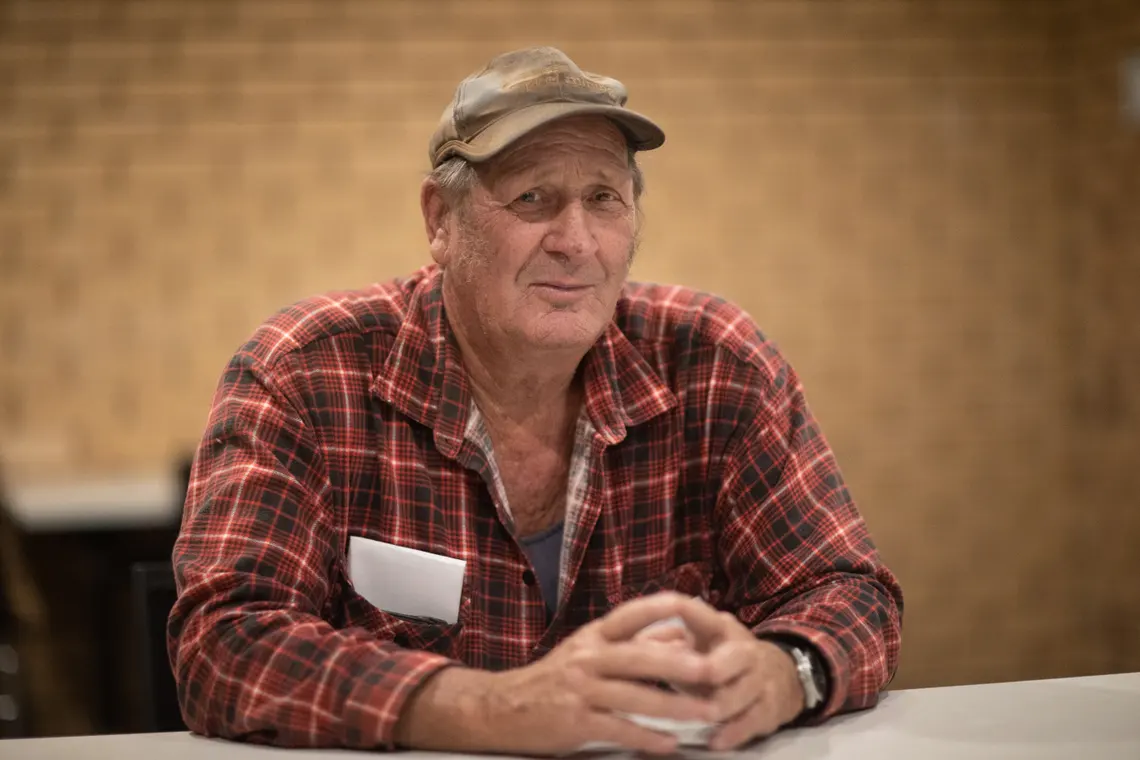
[405, 581]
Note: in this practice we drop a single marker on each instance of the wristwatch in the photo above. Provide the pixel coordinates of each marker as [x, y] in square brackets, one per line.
[811, 672]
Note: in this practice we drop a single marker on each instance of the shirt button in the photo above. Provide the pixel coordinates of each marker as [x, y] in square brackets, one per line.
[528, 577]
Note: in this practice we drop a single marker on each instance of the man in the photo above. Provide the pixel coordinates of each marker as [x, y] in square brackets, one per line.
[601, 456]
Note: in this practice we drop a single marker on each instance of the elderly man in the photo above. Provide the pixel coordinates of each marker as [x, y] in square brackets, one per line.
[591, 459]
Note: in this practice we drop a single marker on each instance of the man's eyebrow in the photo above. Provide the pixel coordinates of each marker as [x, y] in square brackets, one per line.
[613, 174]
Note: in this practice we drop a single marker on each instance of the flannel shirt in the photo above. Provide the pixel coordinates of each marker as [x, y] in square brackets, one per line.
[700, 470]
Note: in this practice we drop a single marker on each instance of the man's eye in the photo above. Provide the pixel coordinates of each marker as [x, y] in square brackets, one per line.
[605, 196]
[530, 196]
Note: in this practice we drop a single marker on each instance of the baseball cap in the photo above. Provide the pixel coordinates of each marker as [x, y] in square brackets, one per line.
[522, 90]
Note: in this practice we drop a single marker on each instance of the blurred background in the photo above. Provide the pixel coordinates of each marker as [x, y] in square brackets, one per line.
[932, 206]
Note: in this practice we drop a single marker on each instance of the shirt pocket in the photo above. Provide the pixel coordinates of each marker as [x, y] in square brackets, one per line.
[690, 579]
[410, 631]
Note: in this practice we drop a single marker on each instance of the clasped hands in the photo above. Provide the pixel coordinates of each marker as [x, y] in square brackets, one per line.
[583, 690]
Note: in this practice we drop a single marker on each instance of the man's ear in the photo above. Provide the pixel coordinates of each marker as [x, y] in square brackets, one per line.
[436, 212]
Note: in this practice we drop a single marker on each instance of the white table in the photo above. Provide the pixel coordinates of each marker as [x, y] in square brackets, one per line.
[1084, 718]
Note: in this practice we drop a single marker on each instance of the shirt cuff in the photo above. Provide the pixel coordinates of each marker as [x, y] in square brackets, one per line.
[377, 700]
[833, 657]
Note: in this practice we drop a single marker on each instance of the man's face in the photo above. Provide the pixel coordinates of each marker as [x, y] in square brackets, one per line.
[541, 247]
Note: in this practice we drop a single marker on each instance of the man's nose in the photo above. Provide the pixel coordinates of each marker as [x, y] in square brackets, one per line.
[571, 233]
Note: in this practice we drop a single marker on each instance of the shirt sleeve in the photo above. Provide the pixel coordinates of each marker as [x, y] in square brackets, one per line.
[252, 657]
[797, 553]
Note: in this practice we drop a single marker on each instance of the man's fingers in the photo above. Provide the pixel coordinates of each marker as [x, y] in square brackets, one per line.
[626, 697]
[628, 619]
[736, 697]
[614, 729]
[700, 619]
[704, 622]
[671, 631]
[728, 661]
[646, 660]
[758, 720]
[674, 636]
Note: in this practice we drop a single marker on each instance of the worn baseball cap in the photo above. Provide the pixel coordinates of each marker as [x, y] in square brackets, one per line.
[522, 90]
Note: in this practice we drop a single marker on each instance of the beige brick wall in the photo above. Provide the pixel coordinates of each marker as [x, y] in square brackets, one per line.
[924, 202]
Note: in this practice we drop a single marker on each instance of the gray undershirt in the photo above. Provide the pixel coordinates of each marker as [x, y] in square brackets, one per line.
[544, 550]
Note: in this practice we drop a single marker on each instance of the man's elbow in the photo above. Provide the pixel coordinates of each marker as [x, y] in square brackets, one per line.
[199, 663]
[201, 714]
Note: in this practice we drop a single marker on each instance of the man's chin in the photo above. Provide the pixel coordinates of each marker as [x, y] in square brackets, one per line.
[564, 330]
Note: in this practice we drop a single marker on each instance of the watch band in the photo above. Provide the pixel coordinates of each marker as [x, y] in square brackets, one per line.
[810, 670]
[813, 696]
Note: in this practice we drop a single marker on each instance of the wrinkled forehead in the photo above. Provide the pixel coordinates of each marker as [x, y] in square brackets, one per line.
[585, 144]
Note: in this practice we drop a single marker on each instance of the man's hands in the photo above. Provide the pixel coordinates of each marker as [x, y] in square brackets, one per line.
[578, 693]
[571, 697]
[752, 682]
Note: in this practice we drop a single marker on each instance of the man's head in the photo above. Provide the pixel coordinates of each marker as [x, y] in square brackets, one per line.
[531, 209]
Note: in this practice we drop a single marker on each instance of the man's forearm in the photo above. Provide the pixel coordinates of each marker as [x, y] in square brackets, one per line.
[287, 678]
[449, 712]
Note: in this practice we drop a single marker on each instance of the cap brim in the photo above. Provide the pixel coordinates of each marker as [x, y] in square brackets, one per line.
[640, 132]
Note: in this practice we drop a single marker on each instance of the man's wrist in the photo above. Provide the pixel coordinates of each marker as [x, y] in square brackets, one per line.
[811, 671]
[447, 712]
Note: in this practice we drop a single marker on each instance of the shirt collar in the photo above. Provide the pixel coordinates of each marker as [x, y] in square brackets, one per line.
[423, 376]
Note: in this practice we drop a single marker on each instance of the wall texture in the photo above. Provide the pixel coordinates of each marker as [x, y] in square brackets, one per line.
[1102, 284]
[930, 205]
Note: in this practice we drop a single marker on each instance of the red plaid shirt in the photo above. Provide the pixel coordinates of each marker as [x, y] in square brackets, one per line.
[700, 469]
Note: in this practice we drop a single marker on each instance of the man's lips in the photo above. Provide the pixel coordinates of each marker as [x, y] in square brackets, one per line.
[561, 293]
[562, 285]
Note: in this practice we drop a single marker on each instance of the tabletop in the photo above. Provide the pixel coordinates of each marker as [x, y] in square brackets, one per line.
[1088, 718]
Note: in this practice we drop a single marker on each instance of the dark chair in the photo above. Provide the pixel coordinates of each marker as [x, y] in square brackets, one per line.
[152, 595]
[13, 706]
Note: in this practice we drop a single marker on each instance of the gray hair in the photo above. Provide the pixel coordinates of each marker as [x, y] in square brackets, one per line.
[456, 177]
